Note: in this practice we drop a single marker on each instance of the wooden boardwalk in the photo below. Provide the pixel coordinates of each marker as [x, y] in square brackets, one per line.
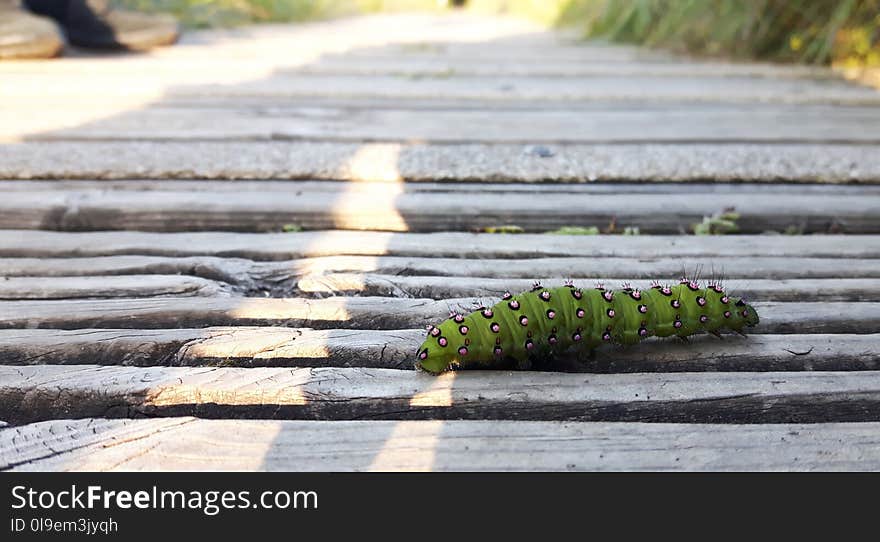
[222, 255]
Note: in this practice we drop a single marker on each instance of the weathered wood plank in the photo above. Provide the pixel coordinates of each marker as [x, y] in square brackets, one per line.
[660, 163]
[200, 51]
[283, 187]
[286, 246]
[292, 347]
[180, 444]
[611, 89]
[238, 346]
[532, 47]
[37, 393]
[814, 352]
[318, 105]
[587, 268]
[22, 446]
[60, 281]
[282, 279]
[415, 66]
[358, 313]
[330, 313]
[733, 125]
[837, 289]
[235, 271]
[819, 317]
[413, 63]
[375, 208]
[130, 286]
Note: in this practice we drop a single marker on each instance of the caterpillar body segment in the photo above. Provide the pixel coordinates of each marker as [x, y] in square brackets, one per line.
[546, 321]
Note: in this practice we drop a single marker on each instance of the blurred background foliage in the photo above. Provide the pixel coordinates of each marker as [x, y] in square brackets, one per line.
[222, 13]
[806, 31]
[842, 32]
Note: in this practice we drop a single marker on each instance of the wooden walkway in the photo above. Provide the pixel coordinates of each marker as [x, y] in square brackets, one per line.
[222, 255]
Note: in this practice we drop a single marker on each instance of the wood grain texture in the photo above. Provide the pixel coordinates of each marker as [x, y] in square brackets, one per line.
[836, 289]
[23, 447]
[416, 66]
[588, 268]
[374, 208]
[288, 188]
[359, 313]
[369, 61]
[130, 286]
[234, 273]
[285, 281]
[225, 346]
[650, 163]
[532, 46]
[303, 347]
[38, 393]
[182, 444]
[611, 90]
[286, 246]
[329, 313]
[605, 124]
[291, 277]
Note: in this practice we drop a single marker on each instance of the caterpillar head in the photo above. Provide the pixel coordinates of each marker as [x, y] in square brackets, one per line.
[440, 349]
[747, 312]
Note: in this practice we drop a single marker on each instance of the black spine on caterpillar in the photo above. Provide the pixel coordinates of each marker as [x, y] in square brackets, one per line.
[543, 321]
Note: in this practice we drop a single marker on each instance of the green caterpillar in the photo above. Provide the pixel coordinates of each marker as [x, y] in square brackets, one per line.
[545, 321]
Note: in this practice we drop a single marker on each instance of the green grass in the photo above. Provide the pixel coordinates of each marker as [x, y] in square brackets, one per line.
[845, 32]
[804, 31]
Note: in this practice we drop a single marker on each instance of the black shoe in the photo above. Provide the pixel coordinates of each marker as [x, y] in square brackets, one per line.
[94, 23]
[23, 35]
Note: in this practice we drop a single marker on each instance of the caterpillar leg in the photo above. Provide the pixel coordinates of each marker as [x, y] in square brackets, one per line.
[524, 364]
[586, 356]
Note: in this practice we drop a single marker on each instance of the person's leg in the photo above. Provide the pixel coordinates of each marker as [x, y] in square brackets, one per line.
[95, 23]
[23, 35]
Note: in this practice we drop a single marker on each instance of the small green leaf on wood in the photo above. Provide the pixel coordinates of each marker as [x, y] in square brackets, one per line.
[575, 230]
[721, 223]
[505, 228]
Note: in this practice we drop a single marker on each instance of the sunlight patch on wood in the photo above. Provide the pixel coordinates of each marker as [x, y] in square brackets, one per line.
[375, 162]
[238, 343]
[40, 97]
[240, 387]
[366, 206]
[438, 392]
[412, 446]
[281, 309]
[202, 449]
